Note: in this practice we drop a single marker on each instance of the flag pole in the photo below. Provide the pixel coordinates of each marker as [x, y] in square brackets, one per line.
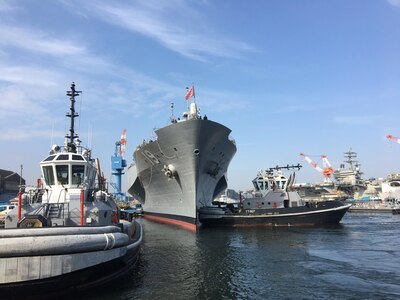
[189, 94]
[187, 102]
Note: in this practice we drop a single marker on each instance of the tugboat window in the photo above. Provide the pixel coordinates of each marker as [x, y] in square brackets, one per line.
[261, 184]
[62, 174]
[49, 158]
[48, 175]
[63, 157]
[78, 173]
[255, 185]
[77, 157]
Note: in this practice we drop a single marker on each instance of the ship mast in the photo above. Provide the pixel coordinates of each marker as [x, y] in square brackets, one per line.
[70, 138]
[354, 164]
[349, 155]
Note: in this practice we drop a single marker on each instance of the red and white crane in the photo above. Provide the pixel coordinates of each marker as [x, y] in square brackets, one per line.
[393, 138]
[326, 169]
[123, 143]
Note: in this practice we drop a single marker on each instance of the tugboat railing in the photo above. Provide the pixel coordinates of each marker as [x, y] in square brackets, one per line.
[86, 152]
[59, 195]
[39, 211]
[46, 210]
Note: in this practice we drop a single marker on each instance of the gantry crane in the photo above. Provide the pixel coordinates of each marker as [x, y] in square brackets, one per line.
[326, 169]
[118, 163]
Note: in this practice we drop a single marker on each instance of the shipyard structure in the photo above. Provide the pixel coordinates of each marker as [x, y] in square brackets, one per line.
[344, 183]
[10, 185]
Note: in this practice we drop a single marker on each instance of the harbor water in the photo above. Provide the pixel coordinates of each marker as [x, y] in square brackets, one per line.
[357, 259]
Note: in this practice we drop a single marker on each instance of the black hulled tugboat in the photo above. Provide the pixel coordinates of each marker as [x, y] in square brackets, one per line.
[67, 234]
[273, 202]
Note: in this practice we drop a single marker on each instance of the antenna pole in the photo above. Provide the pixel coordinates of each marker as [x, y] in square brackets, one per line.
[194, 93]
[71, 147]
[20, 178]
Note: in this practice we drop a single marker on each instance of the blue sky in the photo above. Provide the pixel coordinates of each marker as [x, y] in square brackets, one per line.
[287, 77]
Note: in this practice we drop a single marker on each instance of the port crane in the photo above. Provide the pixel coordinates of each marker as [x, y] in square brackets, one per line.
[326, 169]
[393, 138]
[118, 163]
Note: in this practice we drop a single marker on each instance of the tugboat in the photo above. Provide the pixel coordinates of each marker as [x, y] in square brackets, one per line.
[66, 236]
[273, 203]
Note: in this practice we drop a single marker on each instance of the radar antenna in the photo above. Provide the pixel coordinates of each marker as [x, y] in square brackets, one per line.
[287, 167]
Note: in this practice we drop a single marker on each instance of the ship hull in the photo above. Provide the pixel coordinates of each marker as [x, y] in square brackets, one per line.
[72, 283]
[327, 213]
[183, 170]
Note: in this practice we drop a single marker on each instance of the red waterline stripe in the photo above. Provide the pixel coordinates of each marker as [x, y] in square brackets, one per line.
[184, 225]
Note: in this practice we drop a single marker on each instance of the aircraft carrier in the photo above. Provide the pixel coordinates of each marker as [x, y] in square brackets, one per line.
[182, 169]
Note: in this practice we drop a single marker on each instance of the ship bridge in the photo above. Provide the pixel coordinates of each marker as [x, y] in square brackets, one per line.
[65, 174]
[69, 170]
[263, 183]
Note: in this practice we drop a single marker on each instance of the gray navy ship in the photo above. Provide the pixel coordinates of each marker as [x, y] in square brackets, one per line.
[183, 169]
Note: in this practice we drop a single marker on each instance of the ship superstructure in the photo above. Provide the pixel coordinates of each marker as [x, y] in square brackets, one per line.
[183, 169]
[350, 175]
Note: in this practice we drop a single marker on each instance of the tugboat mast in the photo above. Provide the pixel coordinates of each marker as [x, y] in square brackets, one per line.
[70, 145]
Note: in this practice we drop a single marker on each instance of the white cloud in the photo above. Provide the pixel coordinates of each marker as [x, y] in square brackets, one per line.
[357, 120]
[394, 2]
[34, 93]
[37, 41]
[27, 132]
[28, 75]
[172, 24]
[6, 6]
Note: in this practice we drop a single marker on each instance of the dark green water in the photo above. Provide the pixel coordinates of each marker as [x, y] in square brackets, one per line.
[358, 259]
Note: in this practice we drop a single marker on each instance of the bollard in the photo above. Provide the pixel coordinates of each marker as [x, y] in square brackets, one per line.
[82, 198]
